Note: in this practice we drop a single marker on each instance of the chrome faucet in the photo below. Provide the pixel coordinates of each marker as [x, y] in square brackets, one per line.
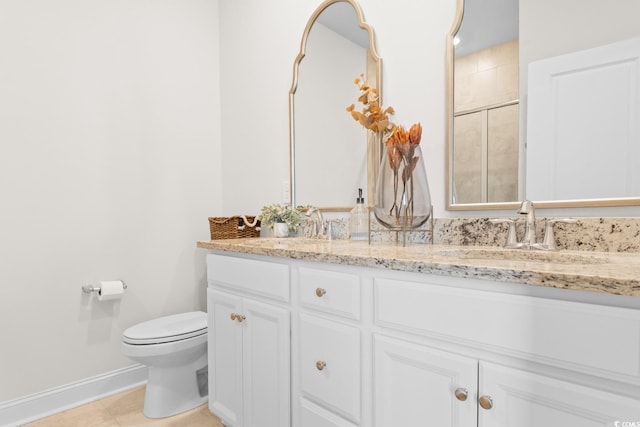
[529, 239]
[320, 227]
[512, 238]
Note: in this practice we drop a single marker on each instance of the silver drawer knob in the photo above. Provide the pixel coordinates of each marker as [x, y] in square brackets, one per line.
[486, 402]
[237, 317]
[320, 365]
[461, 394]
[320, 292]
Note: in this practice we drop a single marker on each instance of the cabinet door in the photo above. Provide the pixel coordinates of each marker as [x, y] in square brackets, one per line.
[330, 365]
[523, 399]
[266, 365]
[415, 385]
[225, 357]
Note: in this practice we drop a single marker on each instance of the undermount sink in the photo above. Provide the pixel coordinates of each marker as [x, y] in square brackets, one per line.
[500, 254]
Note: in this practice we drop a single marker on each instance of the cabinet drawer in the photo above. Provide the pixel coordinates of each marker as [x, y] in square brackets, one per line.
[315, 416]
[594, 339]
[330, 365]
[269, 279]
[330, 291]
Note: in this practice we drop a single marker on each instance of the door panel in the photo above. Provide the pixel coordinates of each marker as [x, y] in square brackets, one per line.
[225, 357]
[524, 399]
[415, 385]
[266, 385]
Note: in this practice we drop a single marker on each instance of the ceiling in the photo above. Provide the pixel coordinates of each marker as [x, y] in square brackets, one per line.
[486, 23]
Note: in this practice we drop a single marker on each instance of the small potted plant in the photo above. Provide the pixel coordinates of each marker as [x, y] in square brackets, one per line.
[281, 219]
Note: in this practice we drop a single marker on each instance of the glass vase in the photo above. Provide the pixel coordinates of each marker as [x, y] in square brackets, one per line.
[403, 201]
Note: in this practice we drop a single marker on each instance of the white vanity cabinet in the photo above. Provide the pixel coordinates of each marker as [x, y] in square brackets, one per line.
[372, 347]
[415, 383]
[249, 341]
[477, 358]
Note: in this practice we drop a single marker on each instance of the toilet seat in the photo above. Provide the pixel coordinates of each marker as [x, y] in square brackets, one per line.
[167, 329]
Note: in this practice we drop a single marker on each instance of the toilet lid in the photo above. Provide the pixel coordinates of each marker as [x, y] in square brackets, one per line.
[167, 329]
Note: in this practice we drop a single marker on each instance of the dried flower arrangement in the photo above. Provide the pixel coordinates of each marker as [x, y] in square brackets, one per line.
[401, 144]
[373, 116]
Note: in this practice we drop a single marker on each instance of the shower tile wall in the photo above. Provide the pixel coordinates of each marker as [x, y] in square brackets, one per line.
[486, 130]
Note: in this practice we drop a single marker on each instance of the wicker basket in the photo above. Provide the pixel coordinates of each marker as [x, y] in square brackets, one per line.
[234, 227]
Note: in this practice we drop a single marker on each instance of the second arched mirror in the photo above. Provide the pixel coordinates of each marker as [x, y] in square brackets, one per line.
[483, 142]
[578, 146]
[331, 155]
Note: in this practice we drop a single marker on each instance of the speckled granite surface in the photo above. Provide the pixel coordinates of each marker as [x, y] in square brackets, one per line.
[587, 234]
[606, 272]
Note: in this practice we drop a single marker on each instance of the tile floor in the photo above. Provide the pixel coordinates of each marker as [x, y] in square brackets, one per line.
[125, 409]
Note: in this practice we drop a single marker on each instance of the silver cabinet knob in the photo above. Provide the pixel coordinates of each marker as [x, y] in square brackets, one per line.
[320, 292]
[461, 394]
[485, 402]
[320, 365]
[237, 317]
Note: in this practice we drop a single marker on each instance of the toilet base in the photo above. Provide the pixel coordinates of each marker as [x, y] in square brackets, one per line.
[172, 390]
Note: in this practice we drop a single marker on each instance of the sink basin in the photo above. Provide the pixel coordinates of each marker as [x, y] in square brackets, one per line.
[499, 254]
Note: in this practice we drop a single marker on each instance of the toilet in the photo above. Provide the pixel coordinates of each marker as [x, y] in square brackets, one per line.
[174, 348]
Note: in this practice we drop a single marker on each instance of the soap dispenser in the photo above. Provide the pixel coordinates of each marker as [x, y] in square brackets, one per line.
[359, 220]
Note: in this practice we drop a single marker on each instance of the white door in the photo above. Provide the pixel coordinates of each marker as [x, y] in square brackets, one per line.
[225, 357]
[583, 133]
[415, 385]
[510, 397]
[266, 365]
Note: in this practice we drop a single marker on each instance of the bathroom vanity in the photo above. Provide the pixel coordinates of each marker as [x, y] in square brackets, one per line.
[340, 333]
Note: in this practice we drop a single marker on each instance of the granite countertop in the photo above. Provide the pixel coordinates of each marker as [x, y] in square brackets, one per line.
[605, 272]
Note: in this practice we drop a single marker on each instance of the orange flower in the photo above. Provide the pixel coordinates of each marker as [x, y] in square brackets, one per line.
[395, 157]
[402, 134]
[415, 133]
[401, 139]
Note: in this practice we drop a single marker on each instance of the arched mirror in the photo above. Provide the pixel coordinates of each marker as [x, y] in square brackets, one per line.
[331, 154]
[518, 123]
[483, 105]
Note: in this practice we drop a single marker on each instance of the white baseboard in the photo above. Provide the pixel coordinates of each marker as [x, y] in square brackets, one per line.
[33, 407]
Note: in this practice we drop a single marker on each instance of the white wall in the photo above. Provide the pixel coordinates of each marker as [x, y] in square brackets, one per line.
[551, 27]
[109, 167]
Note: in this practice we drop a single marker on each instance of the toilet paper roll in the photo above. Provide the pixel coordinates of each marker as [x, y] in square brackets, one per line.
[111, 290]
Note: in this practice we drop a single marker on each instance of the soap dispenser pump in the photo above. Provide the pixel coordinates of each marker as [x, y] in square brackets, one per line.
[359, 221]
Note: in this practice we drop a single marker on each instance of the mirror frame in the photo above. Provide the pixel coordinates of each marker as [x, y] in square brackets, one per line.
[373, 74]
[450, 206]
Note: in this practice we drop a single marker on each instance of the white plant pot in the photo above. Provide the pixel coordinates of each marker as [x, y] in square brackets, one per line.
[280, 229]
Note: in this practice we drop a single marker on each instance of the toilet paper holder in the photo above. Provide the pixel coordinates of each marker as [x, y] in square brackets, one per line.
[90, 288]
